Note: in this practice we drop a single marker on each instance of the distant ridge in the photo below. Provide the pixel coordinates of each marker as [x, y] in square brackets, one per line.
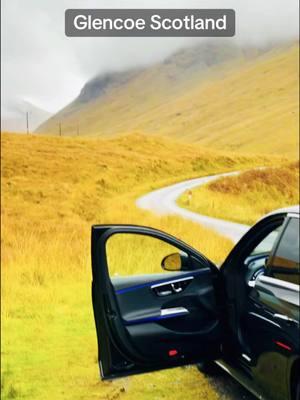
[167, 75]
[218, 94]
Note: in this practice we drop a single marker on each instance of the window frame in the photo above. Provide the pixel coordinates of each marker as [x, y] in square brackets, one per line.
[273, 253]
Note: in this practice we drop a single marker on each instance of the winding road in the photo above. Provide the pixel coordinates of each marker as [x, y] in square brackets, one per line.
[163, 202]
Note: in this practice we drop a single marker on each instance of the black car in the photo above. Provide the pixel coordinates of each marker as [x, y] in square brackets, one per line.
[243, 315]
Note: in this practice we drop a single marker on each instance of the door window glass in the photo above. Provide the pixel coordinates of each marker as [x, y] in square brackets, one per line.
[266, 245]
[285, 263]
[134, 254]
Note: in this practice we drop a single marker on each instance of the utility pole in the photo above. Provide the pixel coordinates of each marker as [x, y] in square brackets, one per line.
[27, 122]
[59, 125]
[77, 130]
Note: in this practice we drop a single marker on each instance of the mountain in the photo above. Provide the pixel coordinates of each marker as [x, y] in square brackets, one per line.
[13, 116]
[139, 88]
[217, 94]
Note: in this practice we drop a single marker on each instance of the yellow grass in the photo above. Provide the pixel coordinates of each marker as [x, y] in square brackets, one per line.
[247, 197]
[249, 106]
[53, 189]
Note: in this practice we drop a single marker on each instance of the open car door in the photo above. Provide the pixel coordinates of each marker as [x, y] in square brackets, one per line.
[157, 302]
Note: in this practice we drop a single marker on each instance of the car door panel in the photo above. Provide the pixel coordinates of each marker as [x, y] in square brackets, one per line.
[149, 322]
[173, 318]
[148, 300]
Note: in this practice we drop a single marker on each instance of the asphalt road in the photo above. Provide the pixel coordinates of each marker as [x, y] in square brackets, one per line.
[163, 202]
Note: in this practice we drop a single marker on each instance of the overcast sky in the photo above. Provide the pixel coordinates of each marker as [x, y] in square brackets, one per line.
[41, 65]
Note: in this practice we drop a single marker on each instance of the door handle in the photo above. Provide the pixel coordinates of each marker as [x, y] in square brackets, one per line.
[171, 287]
[166, 291]
[177, 289]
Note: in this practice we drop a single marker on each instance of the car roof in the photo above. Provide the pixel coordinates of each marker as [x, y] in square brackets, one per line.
[287, 210]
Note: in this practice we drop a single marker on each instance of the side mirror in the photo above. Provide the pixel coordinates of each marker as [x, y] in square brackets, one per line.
[175, 262]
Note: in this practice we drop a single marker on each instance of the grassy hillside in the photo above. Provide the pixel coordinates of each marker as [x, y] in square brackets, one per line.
[250, 194]
[245, 104]
[53, 189]
[134, 93]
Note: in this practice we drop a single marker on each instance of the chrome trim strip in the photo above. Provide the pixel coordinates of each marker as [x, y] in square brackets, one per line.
[224, 367]
[101, 369]
[279, 283]
[240, 377]
[188, 278]
[286, 318]
[174, 310]
[265, 319]
[247, 358]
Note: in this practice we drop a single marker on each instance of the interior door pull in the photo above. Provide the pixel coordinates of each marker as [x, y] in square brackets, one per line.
[163, 292]
[174, 310]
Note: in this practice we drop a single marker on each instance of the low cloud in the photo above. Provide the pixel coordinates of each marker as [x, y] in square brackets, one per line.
[42, 65]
